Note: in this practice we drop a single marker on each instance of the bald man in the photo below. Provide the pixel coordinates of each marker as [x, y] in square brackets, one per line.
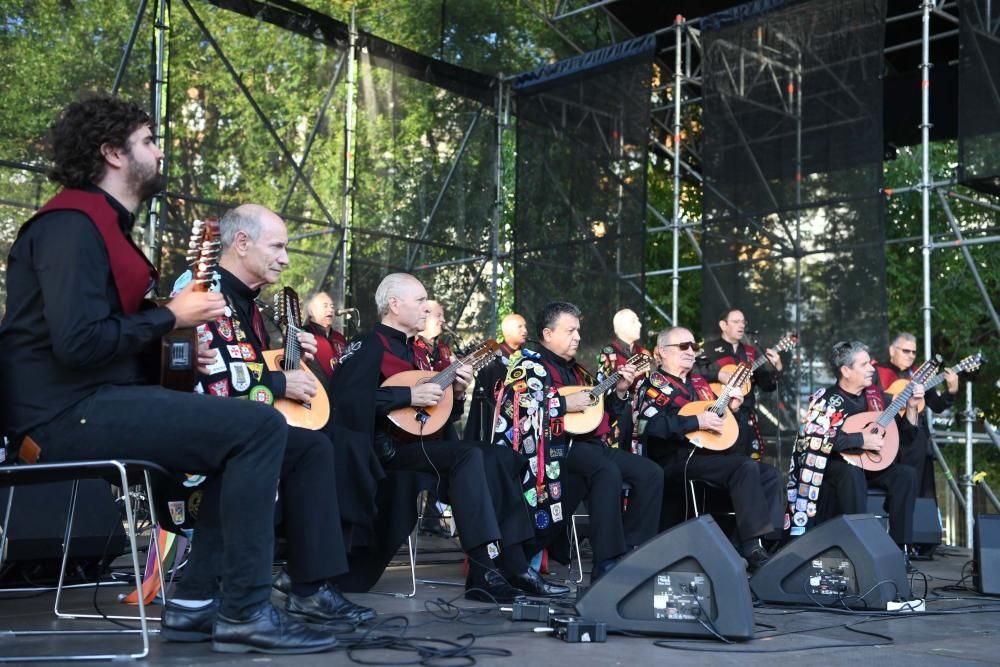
[490, 379]
[330, 343]
[430, 342]
[626, 344]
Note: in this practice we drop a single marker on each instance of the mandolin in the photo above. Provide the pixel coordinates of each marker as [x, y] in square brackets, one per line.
[884, 421]
[579, 423]
[179, 348]
[428, 420]
[783, 345]
[287, 315]
[725, 438]
[969, 364]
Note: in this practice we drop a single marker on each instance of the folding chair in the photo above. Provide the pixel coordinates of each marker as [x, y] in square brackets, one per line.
[421, 481]
[574, 519]
[118, 473]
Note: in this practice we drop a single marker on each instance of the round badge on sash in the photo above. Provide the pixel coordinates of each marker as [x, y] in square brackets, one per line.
[261, 394]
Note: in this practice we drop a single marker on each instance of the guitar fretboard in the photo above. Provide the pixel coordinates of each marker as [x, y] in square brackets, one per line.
[902, 397]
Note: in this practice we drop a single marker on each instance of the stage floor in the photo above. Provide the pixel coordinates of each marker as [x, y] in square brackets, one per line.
[961, 628]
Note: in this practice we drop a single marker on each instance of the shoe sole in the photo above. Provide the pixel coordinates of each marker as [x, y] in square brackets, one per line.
[188, 636]
[225, 647]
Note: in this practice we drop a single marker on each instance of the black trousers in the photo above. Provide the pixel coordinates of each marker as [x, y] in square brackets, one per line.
[603, 470]
[241, 443]
[482, 485]
[849, 486]
[755, 489]
[310, 520]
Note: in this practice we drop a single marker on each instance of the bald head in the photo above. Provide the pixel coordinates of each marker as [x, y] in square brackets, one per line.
[254, 245]
[515, 330]
[627, 325]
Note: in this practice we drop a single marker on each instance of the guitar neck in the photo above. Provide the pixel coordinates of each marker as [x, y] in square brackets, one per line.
[293, 349]
[902, 397]
[447, 376]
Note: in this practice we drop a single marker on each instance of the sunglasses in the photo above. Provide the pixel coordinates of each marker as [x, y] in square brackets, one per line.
[687, 345]
[905, 351]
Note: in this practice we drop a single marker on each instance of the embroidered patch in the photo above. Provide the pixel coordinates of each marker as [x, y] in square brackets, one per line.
[817, 478]
[351, 349]
[492, 550]
[800, 519]
[217, 366]
[552, 470]
[261, 394]
[247, 351]
[813, 493]
[555, 490]
[191, 481]
[821, 462]
[556, 509]
[234, 352]
[256, 369]
[240, 375]
[176, 508]
[542, 520]
[220, 388]
[224, 327]
[531, 497]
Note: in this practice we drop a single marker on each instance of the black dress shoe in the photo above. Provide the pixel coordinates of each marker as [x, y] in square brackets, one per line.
[327, 605]
[533, 584]
[269, 630]
[184, 624]
[491, 587]
[282, 583]
[756, 559]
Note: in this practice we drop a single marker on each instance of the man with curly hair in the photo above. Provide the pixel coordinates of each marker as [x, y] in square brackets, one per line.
[72, 375]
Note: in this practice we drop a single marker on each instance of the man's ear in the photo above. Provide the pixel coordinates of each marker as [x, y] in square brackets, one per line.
[113, 155]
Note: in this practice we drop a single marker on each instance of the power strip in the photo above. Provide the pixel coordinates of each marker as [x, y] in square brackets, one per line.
[908, 606]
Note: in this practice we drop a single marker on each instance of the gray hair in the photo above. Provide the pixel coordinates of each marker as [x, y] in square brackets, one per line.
[664, 336]
[904, 335]
[843, 354]
[388, 288]
[239, 219]
[551, 312]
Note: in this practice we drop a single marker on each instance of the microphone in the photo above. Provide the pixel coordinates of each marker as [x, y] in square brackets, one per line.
[337, 312]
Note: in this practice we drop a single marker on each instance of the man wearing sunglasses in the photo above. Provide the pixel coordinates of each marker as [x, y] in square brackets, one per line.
[754, 488]
[729, 348]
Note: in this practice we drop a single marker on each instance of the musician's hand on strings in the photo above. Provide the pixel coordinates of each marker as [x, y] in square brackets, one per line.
[736, 398]
[308, 343]
[873, 439]
[300, 385]
[628, 377]
[724, 376]
[773, 356]
[709, 421]
[579, 401]
[951, 379]
[425, 395]
[192, 308]
[206, 357]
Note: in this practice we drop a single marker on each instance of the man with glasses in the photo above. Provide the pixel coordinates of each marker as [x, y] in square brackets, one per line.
[754, 488]
[729, 348]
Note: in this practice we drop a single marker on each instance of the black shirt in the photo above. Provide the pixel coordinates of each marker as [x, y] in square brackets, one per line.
[239, 298]
[665, 431]
[855, 404]
[764, 378]
[65, 334]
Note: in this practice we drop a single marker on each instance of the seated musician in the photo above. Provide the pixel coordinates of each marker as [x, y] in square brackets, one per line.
[754, 488]
[431, 340]
[330, 343]
[614, 355]
[482, 481]
[72, 372]
[530, 420]
[254, 241]
[489, 380]
[821, 483]
[729, 348]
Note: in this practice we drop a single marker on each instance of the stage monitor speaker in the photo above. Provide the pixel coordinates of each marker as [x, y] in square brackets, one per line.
[926, 522]
[848, 560]
[38, 522]
[986, 554]
[680, 583]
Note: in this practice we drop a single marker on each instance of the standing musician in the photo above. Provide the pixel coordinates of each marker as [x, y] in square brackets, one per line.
[482, 481]
[902, 353]
[330, 343]
[530, 420]
[754, 488]
[628, 330]
[254, 241]
[71, 369]
[729, 348]
[822, 484]
[430, 342]
[489, 380]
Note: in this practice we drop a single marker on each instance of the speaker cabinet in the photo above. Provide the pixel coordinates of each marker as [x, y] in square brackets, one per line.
[848, 560]
[986, 554]
[676, 584]
[926, 522]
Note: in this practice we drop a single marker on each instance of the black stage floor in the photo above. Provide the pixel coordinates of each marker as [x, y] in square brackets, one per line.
[960, 628]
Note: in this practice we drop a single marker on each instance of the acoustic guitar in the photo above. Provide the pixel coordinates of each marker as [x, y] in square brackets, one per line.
[730, 431]
[314, 414]
[885, 422]
[969, 364]
[579, 423]
[783, 345]
[428, 420]
[179, 348]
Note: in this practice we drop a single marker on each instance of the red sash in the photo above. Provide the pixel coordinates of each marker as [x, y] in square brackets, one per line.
[888, 374]
[391, 364]
[702, 389]
[873, 394]
[132, 272]
[324, 355]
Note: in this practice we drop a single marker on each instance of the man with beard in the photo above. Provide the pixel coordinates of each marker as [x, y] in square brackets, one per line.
[72, 372]
[821, 484]
[728, 349]
[254, 242]
[481, 480]
[330, 343]
[754, 488]
[489, 380]
[530, 421]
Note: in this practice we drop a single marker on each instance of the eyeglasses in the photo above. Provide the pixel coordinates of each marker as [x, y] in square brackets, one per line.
[687, 345]
[913, 351]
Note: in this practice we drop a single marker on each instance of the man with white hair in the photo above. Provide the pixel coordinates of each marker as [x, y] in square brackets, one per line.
[481, 481]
